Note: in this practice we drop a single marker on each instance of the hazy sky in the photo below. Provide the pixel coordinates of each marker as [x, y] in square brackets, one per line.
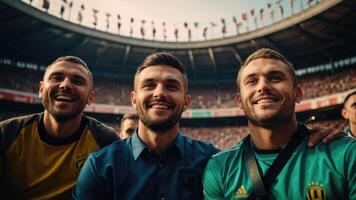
[173, 12]
[177, 11]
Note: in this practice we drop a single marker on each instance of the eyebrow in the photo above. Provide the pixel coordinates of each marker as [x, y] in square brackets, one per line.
[174, 81]
[76, 76]
[272, 72]
[170, 80]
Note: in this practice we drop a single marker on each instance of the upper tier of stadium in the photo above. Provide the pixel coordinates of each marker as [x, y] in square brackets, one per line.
[322, 33]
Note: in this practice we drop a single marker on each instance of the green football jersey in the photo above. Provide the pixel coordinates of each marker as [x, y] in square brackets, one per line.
[322, 172]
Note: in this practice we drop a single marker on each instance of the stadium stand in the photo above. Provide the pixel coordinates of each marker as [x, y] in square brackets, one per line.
[320, 33]
[114, 91]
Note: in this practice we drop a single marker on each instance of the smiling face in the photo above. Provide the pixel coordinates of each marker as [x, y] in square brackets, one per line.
[160, 97]
[65, 90]
[267, 92]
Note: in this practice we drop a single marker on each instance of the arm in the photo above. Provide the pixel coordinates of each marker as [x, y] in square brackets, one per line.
[89, 184]
[212, 183]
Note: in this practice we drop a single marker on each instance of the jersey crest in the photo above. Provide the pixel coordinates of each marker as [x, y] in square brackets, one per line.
[316, 191]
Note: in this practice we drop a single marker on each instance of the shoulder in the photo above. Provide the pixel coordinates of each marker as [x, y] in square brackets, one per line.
[10, 128]
[347, 143]
[104, 134]
[98, 126]
[117, 150]
[19, 122]
[342, 144]
[228, 153]
[114, 157]
[198, 146]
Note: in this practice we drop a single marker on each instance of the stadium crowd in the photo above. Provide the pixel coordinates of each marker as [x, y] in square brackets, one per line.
[113, 91]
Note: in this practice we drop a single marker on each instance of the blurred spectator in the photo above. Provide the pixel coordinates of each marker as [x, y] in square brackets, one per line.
[128, 125]
[349, 113]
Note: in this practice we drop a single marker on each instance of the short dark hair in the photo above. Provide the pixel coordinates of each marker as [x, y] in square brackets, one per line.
[267, 53]
[162, 58]
[72, 59]
[348, 96]
[128, 116]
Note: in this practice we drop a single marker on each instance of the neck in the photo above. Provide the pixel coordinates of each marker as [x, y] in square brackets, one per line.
[61, 129]
[157, 141]
[272, 138]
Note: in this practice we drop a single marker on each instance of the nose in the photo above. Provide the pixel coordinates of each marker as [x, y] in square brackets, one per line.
[66, 83]
[263, 85]
[159, 91]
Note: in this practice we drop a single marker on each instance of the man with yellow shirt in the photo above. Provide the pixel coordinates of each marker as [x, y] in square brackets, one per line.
[41, 154]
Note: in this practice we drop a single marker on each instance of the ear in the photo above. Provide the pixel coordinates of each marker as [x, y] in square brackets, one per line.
[133, 99]
[344, 113]
[187, 100]
[238, 99]
[91, 97]
[298, 94]
[40, 89]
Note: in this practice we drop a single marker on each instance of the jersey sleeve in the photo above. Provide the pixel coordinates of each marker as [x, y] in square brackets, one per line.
[89, 184]
[350, 163]
[211, 182]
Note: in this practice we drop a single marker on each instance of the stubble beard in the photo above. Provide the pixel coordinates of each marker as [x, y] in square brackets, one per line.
[59, 116]
[161, 126]
[283, 116]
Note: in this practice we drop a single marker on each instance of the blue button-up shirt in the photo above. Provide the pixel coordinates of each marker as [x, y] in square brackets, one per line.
[128, 169]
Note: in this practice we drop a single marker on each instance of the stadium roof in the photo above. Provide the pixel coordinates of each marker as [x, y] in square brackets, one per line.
[323, 33]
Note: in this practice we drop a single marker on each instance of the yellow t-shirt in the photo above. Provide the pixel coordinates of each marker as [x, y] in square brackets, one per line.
[36, 166]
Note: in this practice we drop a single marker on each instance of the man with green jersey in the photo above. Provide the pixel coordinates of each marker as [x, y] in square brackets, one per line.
[267, 92]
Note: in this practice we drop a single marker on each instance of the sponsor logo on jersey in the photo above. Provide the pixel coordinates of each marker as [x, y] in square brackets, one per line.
[316, 191]
[241, 193]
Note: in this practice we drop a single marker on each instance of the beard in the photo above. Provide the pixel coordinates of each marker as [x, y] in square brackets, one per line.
[159, 126]
[276, 120]
[282, 116]
[58, 115]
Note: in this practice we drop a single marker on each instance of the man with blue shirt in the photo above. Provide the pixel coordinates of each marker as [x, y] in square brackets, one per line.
[157, 162]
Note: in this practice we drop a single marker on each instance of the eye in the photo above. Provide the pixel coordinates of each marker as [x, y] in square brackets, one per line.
[250, 81]
[148, 85]
[56, 78]
[172, 86]
[78, 81]
[276, 77]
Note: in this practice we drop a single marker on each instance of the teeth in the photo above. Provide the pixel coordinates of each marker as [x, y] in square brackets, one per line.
[265, 100]
[159, 106]
[64, 98]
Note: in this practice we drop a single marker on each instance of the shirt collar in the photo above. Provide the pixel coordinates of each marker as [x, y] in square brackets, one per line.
[179, 142]
[138, 146]
[347, 130]
[350, 134]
